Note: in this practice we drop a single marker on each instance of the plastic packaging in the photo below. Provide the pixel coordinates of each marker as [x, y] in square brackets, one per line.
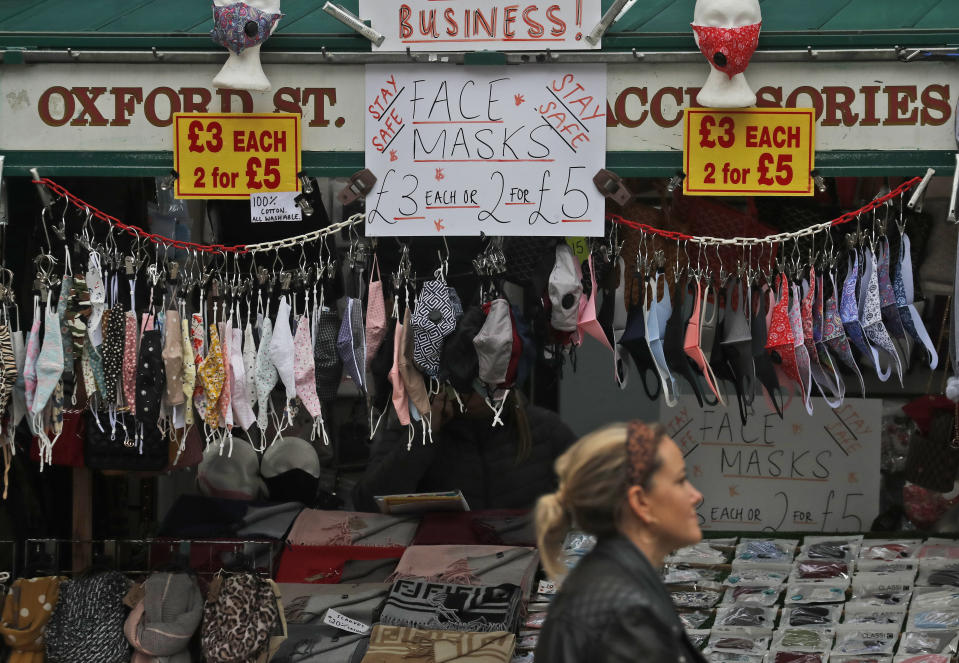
[731, 657]
[791, 656]
[746, 615]
[746, 572]
[767, 550]
[857, 640]
[676, 573]
[938, 572]
[712, 551]
[861, 613]
[699, 637]
[811, 615]
[527, 641]
[939, 548]
[888, 550]
[694, 619]
[697, 595]
[927, 619]
[740, 640]
[535, 620]
[819, 569]
[804, 639]
[892, 589]
[935, 597]
[928, 642]
[910, 566]
[922, 658]
[753, 595]
[860, 658]
[822, 592]
[832, 548]
[578, 543]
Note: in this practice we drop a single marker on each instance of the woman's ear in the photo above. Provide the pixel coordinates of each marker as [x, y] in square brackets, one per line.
[638, 503]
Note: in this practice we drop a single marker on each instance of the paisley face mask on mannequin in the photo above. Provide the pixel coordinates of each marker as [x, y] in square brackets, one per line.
[240, 26]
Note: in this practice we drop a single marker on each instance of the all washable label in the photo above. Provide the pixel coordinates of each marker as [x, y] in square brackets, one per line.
[344, 623]
[234, 155]
[753, 151]
[274, 207]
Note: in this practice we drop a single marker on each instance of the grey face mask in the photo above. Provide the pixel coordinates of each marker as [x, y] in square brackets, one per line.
[351, 342]
[494, 344]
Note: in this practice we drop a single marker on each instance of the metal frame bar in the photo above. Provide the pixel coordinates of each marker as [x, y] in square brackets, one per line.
[324, 56]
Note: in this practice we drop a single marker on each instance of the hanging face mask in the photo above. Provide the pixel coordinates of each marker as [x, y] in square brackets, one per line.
[240, 400]
[494, 344]
[249, 362]
[8, 369]
[676, 358]
[49, 372]
[565, 289]
[211, 375]
[97, 299]
[870, 316]
[737, 345]
[224, 404]
[113, 348]
[240, 26]
[765, 371]
[693, 343]
[130, 359]
[375, 314]
[19, 387]
[849, 312]
[412, 379]
[799, 344]
[587, 324]
[281, 349]
[62, 305]
[150, 379]
[189, 371]
[399, 398]
[833, 335]
[266, 375]
[890, 309]
[379, 371]
[780, 340]
[903, 285]
[656, 315]
[728, 49]
[93, 375]
[305, 369]
[825, 382]
[351, 343]
[329, 366]
[173, 359]
[432, 320]
[30, 361]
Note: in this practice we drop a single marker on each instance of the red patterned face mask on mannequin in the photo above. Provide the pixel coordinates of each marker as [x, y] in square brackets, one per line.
[728, 49]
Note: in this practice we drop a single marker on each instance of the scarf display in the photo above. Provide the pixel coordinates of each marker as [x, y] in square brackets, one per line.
[446, 607]
[307, 604]
[497, 527]
[26, 612]
[337, 564]
[239, 619]
[469, 565]
[400, 644]
[87, 621]
[161, 624]
[343, 528]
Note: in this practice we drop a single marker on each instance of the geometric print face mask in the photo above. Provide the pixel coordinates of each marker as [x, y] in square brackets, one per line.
[432, 321]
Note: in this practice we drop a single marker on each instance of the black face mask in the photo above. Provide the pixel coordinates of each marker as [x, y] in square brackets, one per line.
[634, 340]
[737, 346]
[676, 358]
[150, 378]
[327, 361]
[763, 363]
[113, 346]
[380, 366]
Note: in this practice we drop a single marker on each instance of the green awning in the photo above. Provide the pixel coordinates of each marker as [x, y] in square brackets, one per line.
[649, 24]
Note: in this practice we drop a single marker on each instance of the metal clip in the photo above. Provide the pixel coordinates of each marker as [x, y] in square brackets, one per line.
[129, 265]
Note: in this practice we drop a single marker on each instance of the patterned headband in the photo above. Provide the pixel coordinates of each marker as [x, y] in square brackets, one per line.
[641, 443]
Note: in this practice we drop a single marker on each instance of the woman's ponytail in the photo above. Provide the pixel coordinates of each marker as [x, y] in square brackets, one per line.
[552, 524]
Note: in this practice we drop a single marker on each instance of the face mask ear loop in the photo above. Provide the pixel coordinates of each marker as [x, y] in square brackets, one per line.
[322, 427]
[497, 410]
[409, 439]
[378, 421]
[459, 401]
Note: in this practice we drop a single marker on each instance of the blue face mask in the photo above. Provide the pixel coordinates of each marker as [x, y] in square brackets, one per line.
[240, 26]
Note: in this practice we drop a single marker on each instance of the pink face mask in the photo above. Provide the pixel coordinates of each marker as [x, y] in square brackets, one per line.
[728, 49]
[375, 315]
[304, 367]
[240, 401]
[587, 323]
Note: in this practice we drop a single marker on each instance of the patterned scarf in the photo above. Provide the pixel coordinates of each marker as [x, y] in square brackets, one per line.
[398, 644]
[238, 619]
[342, 528]
[26, 612]
[87, 622]
[469, 565]
[452, 607]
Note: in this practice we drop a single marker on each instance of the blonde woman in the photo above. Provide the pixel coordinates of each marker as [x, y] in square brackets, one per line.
[627, 485]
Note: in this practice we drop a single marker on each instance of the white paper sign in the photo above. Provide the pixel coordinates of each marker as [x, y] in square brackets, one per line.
[344, 623]
[435, 25]
[274, 207]
[465, 150]
[803, 473]
[546, 587]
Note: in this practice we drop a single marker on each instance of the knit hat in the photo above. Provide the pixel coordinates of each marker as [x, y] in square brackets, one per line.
[26, 612]
[234, 475]
[162, 623]
[87, 622]
[291, 470]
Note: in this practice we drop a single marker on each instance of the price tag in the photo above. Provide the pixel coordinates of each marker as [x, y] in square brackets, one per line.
[547, 587]
[580, 246]
[233, 155]
[753, 151]
[344, 623]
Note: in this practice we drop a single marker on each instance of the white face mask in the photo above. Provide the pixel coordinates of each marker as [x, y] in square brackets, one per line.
[98, 297]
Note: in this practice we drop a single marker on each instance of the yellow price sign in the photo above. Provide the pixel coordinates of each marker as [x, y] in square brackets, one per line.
[231, 155]
[753, 151]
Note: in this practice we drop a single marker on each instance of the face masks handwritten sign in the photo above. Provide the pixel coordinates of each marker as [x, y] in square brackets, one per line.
[802, 473]
[465, 150]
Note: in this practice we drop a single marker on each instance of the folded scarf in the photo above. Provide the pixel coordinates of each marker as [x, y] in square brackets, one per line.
[343, 528]
[336, 564]
[469, 565]
[496, 527]
[162, 623]
[26, 611]
[447, 607]
[399, 644]
[309, 643]
[201, 517]
[308, 603]
[87, 622]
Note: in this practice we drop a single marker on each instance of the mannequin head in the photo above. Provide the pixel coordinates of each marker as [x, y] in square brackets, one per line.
[242, 27]
[727, 32]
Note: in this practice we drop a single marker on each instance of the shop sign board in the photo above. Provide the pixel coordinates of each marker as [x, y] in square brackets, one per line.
[435, 25]
[801, 473]
[465, 150]
[93, 107]
[233, 155]
[751, 151]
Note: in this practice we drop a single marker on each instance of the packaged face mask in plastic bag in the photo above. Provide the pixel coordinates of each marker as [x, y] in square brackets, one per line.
[935, 572]
[889, 550]
[922, 658]
[803, 639]
[740, 640]
[777, 655]
[824, 592]
[928, 642]
[904, 566]
[755, 616]
[699, 637]
[860, 658]
[698, 595]
[937, 547]
[857, 640]
[805, 570]
[811, 615]
[861, 613]
[746, 573]
[714, 656]
[882, 590]
[682, 574]
[694, 619]
[753, 595]
[578, 543]
[704, 552]
[927, 619]
[935, 597]
[767, 550]
[830, 547]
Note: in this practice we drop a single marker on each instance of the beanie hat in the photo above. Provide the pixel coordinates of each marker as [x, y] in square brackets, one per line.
[26, 612]
[291, 470]
[87, 623]
[231, 473]
[162, 623]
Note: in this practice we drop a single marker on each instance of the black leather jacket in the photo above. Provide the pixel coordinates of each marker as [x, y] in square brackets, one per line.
[614, 608]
